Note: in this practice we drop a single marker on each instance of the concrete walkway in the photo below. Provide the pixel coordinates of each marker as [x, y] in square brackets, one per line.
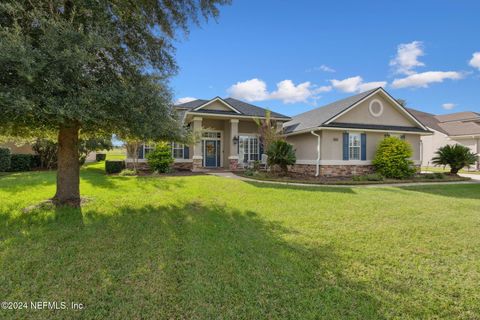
[231, 175]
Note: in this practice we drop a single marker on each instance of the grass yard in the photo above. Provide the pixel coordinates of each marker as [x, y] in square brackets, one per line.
[446, 170]
[204, 247]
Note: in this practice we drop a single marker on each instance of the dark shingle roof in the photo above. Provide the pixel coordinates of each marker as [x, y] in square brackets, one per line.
[316, 117]
[244, 108]
[427, 119]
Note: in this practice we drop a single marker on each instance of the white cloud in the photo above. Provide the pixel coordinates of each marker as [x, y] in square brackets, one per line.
[422, 80]
[184, 100]
[407, 57]
[356, 84]
[448, 106]
[475, 61]
[250, 90]
[323, 68]
[287, 91]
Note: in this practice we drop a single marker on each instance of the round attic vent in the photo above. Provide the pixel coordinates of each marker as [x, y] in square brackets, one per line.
[375, 108]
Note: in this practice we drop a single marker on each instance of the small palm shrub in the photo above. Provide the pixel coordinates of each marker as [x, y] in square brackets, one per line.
[392, 159]
[160, 159]
[280, 153]
[455, 156]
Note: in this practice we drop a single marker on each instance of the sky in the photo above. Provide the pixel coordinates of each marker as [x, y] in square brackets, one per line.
[293, 56]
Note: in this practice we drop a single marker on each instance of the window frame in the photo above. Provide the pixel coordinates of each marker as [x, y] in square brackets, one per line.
[352, 146]
[251, 147]
[179, 147]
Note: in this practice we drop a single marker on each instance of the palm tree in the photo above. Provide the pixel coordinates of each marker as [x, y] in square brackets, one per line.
[455, 156]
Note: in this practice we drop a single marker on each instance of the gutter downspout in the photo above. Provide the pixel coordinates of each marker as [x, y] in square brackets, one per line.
[317, 171]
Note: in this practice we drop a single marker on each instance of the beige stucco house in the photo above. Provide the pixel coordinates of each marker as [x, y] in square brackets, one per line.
[338, 139]
[460, 127]
[226, 134]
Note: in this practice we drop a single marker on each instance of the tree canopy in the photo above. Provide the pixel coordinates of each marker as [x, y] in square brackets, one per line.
[91, 67]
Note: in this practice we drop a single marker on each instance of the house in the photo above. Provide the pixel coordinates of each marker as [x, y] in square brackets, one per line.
[340, 139]
[18, 148]
[460, 127]
[226, 134]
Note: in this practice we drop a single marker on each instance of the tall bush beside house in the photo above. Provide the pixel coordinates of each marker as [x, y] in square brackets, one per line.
[392, 158]
[21, 162]
[160, 159]
[5, 158]
[281, 153]
[455, 156]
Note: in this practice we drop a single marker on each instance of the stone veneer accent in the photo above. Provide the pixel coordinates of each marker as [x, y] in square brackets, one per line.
[332, 170]
[197, 164]
[233, 164]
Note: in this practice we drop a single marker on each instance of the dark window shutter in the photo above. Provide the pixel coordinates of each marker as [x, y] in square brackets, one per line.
[363, 143]
[260, 149]
[186, 152]
[345, 146]
[140, 152]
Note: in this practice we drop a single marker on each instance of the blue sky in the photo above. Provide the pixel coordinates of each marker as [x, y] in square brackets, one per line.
[290, 56]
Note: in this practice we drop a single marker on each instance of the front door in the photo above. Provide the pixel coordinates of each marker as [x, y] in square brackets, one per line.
[212, 153]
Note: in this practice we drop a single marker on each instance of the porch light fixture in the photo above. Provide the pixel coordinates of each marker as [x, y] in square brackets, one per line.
[235, 140]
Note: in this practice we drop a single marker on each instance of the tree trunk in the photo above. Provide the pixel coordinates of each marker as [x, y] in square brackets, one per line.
[68, 172]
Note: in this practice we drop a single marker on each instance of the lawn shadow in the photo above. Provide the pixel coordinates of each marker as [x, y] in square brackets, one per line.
[192, 261]
[313, 188]
[457, 191]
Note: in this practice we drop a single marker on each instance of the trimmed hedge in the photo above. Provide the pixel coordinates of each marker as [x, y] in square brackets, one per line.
[5, 159]
[114, 166]
[101, 156]
[21, 162]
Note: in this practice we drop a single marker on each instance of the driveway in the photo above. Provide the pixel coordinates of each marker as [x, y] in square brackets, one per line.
[474, 177]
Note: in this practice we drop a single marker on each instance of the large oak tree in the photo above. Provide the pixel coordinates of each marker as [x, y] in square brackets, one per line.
[90, 67]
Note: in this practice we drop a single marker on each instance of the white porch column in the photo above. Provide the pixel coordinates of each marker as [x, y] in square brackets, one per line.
[197, 147]
[233, 151]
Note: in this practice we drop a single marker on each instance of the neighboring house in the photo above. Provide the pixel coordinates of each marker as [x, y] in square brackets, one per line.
[15, 148]
[461, 127]
[340, 139]
[226, 134]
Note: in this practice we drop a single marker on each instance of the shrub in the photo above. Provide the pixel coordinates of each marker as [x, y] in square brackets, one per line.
[456, 157]
[392, 159]
[281, 153]
[439, 175]
[127, 173]
[369, 177]
[21, 162]
[114, 166]
[160, 159]
[5, 159]
[101, 156]
[47, 153]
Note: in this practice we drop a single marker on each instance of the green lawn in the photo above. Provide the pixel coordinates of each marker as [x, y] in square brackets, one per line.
[204, 247]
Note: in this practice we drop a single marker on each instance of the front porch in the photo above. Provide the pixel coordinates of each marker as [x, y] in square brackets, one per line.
[224, 143]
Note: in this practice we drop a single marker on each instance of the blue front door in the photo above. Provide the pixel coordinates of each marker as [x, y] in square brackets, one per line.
[212, 153]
